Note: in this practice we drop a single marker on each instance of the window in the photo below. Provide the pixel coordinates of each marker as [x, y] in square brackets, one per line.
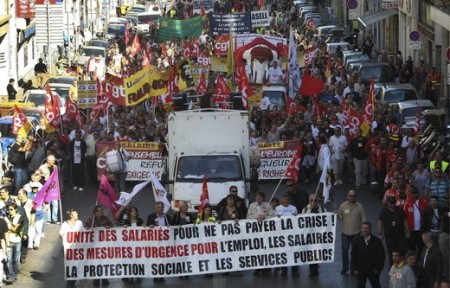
[213, 167]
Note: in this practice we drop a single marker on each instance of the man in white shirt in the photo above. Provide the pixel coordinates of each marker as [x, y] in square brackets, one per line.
[286, 209]
[338, 144]
[91, 65]
[275, 74]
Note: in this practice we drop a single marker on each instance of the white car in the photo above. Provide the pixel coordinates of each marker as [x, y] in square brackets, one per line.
[410, 108]
[37, 96]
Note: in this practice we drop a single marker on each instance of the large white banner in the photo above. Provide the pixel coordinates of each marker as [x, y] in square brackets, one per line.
[201, 248]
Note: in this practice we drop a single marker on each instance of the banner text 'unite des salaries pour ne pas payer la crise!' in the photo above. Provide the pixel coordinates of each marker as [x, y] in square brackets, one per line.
[201, 248]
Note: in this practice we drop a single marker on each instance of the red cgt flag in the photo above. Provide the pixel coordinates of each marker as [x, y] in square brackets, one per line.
[136, 45]
[201, 87]
[244, 86]
[204, 198]
[72, 110]
[222, 92]
[19, 120]
[293, 168]
[310, 86]
[368, 109]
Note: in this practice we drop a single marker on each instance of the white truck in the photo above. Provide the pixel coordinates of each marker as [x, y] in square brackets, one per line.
[212, 143]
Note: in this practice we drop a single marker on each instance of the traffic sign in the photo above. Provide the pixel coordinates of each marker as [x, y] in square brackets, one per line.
[414, 36]
[413, 45]
[353, 14]
[352, 4]
[448, 54]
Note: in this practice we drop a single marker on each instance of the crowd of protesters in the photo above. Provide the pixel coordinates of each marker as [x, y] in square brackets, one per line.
[410, 182]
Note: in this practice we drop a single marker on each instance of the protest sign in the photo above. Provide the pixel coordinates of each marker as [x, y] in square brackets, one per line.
[170, 28]
[87, 94]
[199, 249]
[226, 24]
[275, 158]
[260, 18]
[146, 157]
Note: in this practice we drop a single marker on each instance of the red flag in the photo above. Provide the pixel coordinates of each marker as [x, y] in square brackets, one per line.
[354, 121]
[316, 106]
[145, 61]
[72, 110]
[310, 86]
[19, 120]
[204, 198]
[244, 86]
[202, 10]
[222, 92]
[52, 116]
[201, 87]
[172, 85]
[127, 34]
[49, 192]
[107, 196]
[368, 109]
[135, 46]
[114, 89]
[293, 168]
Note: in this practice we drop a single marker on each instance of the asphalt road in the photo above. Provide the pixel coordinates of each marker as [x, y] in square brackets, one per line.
[44, 268]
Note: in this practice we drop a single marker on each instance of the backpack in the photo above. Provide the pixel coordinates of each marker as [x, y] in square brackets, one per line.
[11, 155]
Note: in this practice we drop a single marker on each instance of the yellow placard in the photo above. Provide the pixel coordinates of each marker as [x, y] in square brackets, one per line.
[219, 64]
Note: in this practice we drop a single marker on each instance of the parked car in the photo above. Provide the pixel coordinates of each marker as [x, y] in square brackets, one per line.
[98, 42]
[147, 21]
[37, 97]
[409, 109]
[137, 8]
[394, 93]
[61, 88]
[86, 52]
[331, 47]
[354, 64]
[62, 79]
[325, 30]
[114, 30]
[380, 71]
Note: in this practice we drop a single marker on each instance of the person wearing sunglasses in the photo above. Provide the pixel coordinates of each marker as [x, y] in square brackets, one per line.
[353, 216]
[16, 225]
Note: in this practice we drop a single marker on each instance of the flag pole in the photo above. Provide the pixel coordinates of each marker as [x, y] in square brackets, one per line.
[276, 188]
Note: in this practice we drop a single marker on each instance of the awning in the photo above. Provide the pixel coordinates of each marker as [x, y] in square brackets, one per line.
[374, 18]
[4, 25]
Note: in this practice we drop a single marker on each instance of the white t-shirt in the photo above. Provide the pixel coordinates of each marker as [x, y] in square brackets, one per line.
[338, 145]
[65, 227]
[275, 75]
[285, 211]
[77, 152]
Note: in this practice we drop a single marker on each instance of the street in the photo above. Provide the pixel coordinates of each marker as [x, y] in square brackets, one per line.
[44, 268]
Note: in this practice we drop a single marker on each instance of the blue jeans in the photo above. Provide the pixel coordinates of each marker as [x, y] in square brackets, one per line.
[13, 260]
[347, 240]
[52, 213]
[21, 176]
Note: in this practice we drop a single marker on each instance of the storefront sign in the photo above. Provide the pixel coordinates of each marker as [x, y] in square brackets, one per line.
[137, 252]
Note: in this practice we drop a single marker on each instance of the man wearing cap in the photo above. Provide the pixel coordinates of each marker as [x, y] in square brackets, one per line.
[393, 227]
[275, 75]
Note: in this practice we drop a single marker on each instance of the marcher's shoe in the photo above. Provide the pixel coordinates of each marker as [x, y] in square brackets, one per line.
[313, 274]
[36, 248]
[105, 282]
[283, 273]
[344, 271]
[336, 183]
[75, 188]
[340, 182]
[96, 282]
[295, 274]
[23, 260]
[80, 189]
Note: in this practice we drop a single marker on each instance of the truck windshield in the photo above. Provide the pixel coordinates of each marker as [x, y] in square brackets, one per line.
[213, 167]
